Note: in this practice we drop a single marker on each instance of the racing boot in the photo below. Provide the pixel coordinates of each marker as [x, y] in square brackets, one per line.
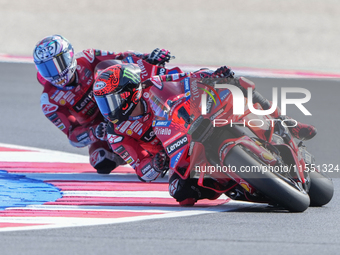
[187, 192]
[103, 159]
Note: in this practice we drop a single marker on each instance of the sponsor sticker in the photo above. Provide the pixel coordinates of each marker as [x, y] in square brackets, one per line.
[61, 126]
[129, 160]
[176, 145]
[138, 127]
[161, 123]
[175, 159]
[120, 149]
[62, 102]
[129, 59]
[59, 95]
[125, 126]
[162, 131]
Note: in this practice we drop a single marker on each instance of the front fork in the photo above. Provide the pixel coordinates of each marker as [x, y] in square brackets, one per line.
[309, 161]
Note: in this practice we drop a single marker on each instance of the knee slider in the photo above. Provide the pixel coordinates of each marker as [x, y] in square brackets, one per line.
[103, 161]
[184, 189]
[181, 189]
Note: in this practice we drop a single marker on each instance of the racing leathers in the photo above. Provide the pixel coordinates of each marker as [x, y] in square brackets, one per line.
[135, 140]
[74, 111]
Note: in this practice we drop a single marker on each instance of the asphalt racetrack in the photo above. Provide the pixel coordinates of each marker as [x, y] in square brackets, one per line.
[247, 229]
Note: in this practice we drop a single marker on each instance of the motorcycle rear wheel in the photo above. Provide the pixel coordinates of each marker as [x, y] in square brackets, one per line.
[321, 189]
[278, 189]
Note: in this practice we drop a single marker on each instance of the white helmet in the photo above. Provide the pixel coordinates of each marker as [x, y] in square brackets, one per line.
[55, 60]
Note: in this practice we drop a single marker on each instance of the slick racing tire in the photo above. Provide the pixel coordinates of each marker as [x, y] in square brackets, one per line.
[321, 189]
[276, 188]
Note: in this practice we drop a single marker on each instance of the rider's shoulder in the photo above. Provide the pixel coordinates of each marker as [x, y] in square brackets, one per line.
[87, 55]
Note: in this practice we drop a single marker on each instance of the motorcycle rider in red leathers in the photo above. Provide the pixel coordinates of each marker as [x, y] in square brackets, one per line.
[67, 99]
[123, 100]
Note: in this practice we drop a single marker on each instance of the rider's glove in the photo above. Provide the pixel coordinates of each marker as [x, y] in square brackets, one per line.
[223, 72]
[160, 162]
[100, 131]
[159, 57]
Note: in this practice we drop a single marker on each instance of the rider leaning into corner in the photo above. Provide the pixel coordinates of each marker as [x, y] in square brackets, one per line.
[67, 99]
[124, 101]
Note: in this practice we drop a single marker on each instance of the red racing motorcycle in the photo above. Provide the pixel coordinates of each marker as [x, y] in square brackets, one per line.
[250, 157]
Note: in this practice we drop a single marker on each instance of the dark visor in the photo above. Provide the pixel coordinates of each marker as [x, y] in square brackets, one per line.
[109, 104]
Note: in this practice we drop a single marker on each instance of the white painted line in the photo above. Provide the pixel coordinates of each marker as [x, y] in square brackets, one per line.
[87, 177]
[97, 208]
[42, 157]
[150, 194]
[20, 147]
[62, 222]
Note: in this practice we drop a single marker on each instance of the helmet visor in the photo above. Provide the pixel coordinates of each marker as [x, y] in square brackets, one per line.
[109, 105]
[56, 66]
